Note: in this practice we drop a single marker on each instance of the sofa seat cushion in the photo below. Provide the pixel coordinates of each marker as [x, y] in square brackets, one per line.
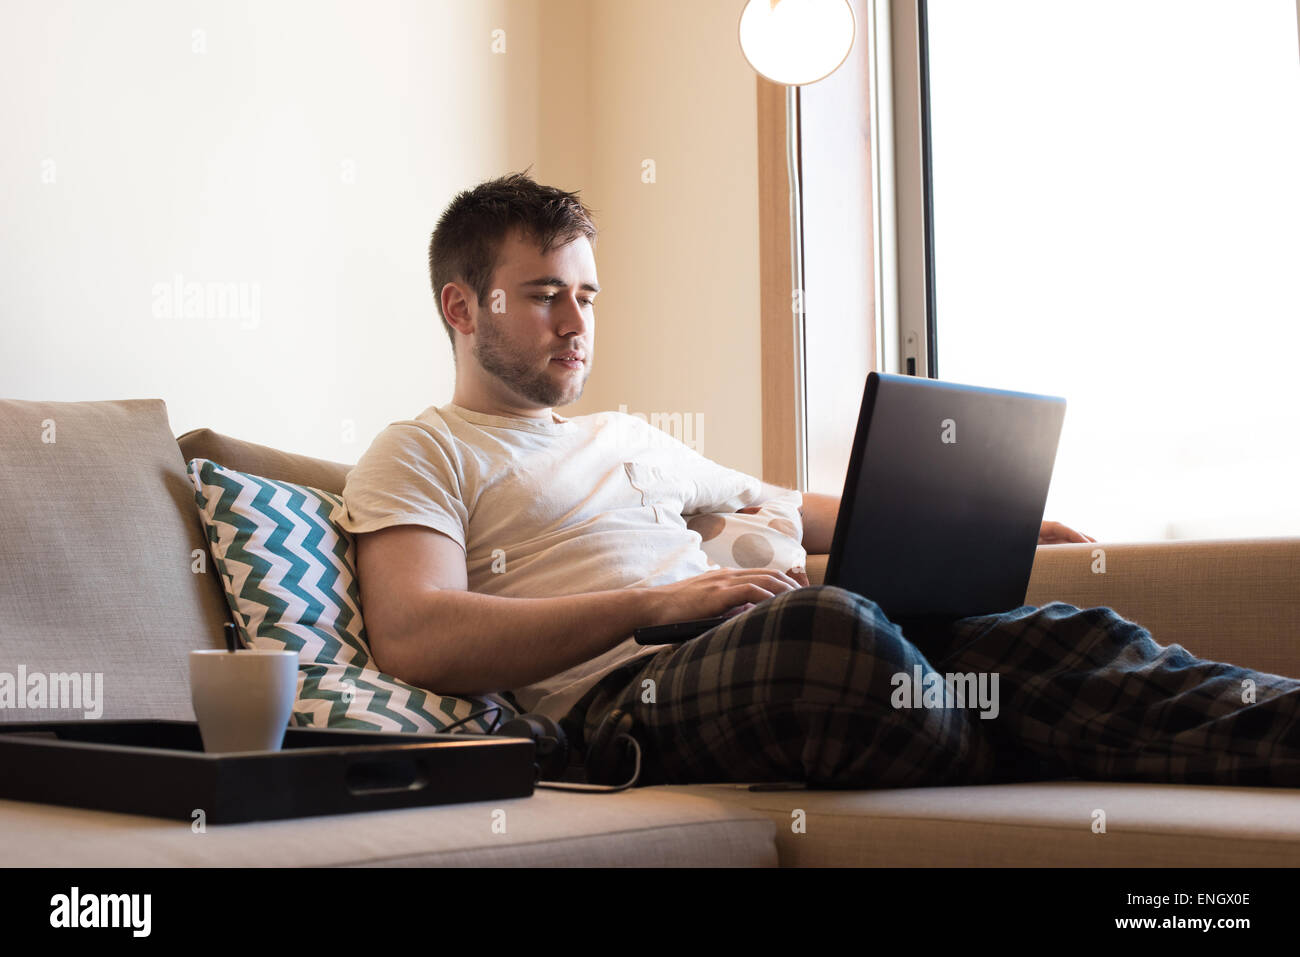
[1038, 824]
[290, 576]
[103, 569]
[641, 827]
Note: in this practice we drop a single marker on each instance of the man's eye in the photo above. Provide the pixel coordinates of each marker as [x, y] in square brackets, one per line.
[550, 296]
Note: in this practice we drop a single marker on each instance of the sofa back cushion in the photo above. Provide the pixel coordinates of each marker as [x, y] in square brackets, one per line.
[103, 565]
[263, 460]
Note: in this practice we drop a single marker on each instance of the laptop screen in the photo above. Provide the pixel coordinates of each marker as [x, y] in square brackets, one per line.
[944, 496]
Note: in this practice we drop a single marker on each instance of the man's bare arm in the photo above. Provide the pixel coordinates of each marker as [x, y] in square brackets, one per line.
[426, 628]
[818, 513]
[419, 616]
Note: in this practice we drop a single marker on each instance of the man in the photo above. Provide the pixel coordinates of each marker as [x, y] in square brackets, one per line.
[501, 546]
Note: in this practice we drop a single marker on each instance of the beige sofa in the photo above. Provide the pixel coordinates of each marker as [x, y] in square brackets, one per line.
[103, 567]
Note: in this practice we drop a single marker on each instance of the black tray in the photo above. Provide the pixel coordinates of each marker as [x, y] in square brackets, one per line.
[159, 768]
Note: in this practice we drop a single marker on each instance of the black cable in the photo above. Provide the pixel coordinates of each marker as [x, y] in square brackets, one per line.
[558, 786]
[600, 788]
[478, 714]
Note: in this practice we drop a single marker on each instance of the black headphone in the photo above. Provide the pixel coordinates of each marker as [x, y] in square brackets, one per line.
[613, 755]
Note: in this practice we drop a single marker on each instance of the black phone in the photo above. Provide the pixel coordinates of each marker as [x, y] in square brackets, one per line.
[675, 632]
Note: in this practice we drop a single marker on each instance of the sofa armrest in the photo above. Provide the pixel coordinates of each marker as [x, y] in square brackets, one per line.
[1235, 600]
[815, 568]
[1232, 600]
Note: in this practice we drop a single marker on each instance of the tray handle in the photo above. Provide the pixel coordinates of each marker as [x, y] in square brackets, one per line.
[369, 776]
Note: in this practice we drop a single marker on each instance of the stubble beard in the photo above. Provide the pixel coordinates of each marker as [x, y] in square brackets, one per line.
[516, 369]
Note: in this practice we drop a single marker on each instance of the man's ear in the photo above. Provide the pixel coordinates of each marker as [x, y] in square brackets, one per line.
[456, 308]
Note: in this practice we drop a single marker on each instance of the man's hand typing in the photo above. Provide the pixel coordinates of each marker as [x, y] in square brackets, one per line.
[1054, 533]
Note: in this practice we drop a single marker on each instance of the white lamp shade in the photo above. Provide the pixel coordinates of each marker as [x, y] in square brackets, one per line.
[796, 42]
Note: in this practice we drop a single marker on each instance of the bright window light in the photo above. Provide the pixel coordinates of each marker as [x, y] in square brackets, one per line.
[1117, 221]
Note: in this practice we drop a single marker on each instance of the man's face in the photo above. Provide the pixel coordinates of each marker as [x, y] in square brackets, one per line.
[548, 312]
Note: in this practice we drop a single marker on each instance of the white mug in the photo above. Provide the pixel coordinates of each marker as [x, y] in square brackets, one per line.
[243, 699]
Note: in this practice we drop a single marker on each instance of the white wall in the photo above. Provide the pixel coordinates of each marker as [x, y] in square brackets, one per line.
[678, 314]
[302, 151]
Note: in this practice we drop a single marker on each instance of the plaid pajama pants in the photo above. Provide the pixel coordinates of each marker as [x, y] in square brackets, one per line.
[804, 687]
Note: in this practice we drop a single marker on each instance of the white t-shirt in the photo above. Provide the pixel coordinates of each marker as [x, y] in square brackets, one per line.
[571, 505]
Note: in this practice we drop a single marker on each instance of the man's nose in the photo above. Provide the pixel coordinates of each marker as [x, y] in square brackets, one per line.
[574, 318]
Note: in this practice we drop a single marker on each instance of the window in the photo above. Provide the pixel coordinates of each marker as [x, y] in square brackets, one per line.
[1115, 190]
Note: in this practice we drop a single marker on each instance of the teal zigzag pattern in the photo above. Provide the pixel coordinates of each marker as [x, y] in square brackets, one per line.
[289, 575]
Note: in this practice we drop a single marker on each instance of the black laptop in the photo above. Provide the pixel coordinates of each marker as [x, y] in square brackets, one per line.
[942, 504]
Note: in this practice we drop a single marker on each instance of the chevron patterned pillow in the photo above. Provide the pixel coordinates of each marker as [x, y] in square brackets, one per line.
[290, 579]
